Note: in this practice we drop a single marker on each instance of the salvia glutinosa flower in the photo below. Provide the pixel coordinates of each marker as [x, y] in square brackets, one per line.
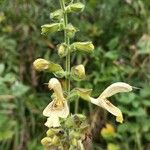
[58, 107]
[102, 101]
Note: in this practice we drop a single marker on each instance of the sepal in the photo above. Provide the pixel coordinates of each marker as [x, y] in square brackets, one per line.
[62, 50]
[78, 72]
[71, 30]
[84, 93]
[75, 7]
[51, 28]
[56, 15]
[87, 47]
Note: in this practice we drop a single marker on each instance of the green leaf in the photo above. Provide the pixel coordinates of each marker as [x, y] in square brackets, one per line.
[145, 92]
[113, 43]
[18, 89]
[113, 55]
[130, 127]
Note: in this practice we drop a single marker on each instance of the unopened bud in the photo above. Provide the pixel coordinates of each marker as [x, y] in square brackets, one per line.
[74, 142]
[70, 30]
[50, 132]
[55, 140]
[51, 28]
[62, 50]
[41, 64]
[69, 122]
[56, 15]
[46, 141]
[76, 7]
[78, 71]
[82, 46]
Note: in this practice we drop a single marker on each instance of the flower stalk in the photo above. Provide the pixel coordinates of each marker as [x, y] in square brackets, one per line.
[67, 42]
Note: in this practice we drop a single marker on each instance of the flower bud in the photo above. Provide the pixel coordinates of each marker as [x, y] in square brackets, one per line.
[69, 123]
[70, 30]
[56, 15]
[55, 140]
[76, 7]
[40, 64]
[78, 72]
[50, 132]
[51, 28]
[46, 141]
[62, 50]
[74, 142]
[82, 46]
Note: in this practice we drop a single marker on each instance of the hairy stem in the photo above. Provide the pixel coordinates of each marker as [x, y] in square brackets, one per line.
[66, 41]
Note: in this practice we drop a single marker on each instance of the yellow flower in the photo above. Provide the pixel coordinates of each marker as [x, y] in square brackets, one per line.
[102, 101]
[58, 107]
[108, 132]
[40, 64]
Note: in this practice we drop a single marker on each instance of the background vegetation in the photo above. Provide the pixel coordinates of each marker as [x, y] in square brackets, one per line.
[120, 30]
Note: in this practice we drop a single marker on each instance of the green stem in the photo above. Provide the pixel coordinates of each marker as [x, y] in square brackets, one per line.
[139, 145]
[67, 42]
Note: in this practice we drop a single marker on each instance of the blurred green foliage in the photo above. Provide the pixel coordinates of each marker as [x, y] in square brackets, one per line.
[120, 30]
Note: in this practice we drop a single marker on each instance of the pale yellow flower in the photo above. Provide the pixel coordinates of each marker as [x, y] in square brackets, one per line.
[58, 107]
[102, 101]
[40, 64]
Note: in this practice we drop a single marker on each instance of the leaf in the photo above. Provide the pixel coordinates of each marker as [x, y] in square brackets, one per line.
[18, 89]
[6, 127]
[113, 55]
[113, 43]
[145, 92]
[130, 127]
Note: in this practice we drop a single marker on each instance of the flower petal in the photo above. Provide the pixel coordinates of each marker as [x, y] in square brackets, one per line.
[51, 110]
[56, 86]
[109, 107]
[115, 88]
[52, 121]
